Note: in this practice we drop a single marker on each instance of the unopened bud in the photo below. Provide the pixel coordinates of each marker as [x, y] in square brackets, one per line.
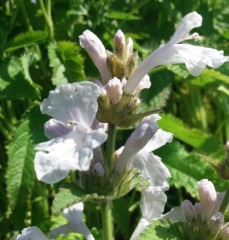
[114, 90]
[216, 223]
[189, 210]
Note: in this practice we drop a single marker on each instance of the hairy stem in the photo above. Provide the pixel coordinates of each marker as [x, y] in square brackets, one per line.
[106, 211]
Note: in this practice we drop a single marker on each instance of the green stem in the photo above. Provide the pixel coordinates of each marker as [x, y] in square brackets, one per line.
[110, 145]
[48, 18]
[225, 202]
[106, 211]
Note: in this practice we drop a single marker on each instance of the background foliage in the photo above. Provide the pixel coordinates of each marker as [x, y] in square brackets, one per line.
[40, 50]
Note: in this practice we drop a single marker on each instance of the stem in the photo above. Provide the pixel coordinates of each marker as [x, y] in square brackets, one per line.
[106, 211]
[110, 145]
[48, 18]
[225, 202]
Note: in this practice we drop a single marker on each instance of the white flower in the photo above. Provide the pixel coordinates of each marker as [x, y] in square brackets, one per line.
[195, 58]
[75, 224]
[152, 205]
[33, 233]
[97, 52]
[73, 107]
[146, 138]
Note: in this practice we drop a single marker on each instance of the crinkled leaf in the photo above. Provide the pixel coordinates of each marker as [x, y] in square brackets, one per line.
[66, 62]
[15, 80]
[156, 97]
[179, 69]
[158, 230]
[69, 194]
[27, 39]
[20, 171]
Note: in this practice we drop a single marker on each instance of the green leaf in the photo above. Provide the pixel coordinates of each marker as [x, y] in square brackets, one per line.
[27, 39]
[210, 76]
[179, 69]
[203, 142]
[20, 173]
[157, 230]
[15, 80]
[66, 62]
[69, 194]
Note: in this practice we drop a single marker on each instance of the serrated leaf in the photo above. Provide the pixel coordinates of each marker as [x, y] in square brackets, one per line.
[66, 62]
[179, 70]
[69, 194]
[20, 173]
[15, 80]
[187, 168]
[27, 39]
[203, 142]
[156, 97]
[157, 230]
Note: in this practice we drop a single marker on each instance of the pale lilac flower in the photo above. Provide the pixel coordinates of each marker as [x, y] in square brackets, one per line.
[97, 52]
[204, 216]
[33, 233]
[75, 223]
[73, 107]
[146, 138]
[152, 205]
[195, 58]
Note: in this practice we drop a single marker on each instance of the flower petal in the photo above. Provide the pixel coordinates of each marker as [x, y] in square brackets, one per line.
[54, 129]
[137, 140]
[143, 223]
[152, 169]
[152, 203]
[73, 103]
[58, 156]
[75, 224]
[189, 21]
[33, 233]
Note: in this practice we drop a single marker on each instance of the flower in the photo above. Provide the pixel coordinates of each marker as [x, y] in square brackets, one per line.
[195, 58]
[97, 52]
[73, 107]
[31, 233]
[203, 218]
[146, 138]
[75, 224]
[152, 205]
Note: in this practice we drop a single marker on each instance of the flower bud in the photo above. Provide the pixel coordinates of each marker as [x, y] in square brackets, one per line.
[189, 210]
[224, 233]
[97, 52]
[114, 90]
[216, 223]
[208, 197]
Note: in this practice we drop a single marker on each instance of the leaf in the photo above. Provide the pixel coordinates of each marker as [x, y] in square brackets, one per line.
[203, 142]
[179, 70]
[157, 230]
[15, 80]
[27, 39]
[156, 97]
[66, 62]
[210, 76]
[69, 194]
[20, 173]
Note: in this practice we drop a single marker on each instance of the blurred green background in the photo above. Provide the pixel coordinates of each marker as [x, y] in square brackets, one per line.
[40, 50]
